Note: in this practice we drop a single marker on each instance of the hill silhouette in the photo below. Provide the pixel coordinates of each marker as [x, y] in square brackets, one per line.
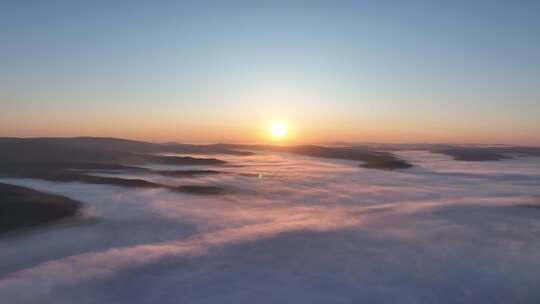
[22, 207]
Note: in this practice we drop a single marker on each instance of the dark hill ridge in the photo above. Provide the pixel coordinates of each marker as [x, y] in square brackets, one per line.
[70, 159]
[373, 159]
[66, 173]
[473, 154]
[489, 153]
[125, 145]
[54, 152]
[27, 169]
[22, 207]
[462, 152]
[187, 173]
[129, 152]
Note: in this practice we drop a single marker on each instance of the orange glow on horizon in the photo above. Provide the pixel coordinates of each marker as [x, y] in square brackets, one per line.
[251, 131]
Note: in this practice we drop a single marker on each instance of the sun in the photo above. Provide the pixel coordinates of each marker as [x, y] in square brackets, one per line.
[278, 130]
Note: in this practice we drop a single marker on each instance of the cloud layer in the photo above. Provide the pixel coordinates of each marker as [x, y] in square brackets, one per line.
[296, 229]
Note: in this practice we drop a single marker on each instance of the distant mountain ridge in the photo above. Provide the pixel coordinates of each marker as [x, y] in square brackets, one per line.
[130, 152]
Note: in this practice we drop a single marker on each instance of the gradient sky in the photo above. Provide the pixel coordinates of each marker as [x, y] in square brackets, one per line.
[369, 71]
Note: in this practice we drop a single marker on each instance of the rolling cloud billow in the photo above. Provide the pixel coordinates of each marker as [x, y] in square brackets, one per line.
[288, 228]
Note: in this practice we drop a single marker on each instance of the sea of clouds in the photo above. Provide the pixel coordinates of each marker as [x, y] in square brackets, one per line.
[291, 229]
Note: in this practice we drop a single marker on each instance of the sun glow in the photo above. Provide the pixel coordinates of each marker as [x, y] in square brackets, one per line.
[278, 130]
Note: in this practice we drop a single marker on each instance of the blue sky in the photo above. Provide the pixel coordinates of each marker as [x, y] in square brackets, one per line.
[397, 71]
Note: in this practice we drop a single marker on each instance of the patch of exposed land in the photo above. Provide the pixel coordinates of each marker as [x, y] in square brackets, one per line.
[460, 152]
[73, 159]
[186, 173]
[472, 154]
[489, 153]
[200, 189]
[22, 207]
[67, 174]
[373, 158]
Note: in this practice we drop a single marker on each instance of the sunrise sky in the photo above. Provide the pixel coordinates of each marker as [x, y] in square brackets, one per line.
[204, 71]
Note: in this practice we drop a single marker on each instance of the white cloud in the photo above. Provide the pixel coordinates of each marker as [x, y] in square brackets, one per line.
[437, 233]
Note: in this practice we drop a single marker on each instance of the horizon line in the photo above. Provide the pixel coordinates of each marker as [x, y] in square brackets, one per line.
[276, 143]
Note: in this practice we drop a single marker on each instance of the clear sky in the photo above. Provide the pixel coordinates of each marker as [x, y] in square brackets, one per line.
[375, 71]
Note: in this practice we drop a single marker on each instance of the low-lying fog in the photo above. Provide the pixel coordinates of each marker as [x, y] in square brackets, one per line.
[291, 229]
